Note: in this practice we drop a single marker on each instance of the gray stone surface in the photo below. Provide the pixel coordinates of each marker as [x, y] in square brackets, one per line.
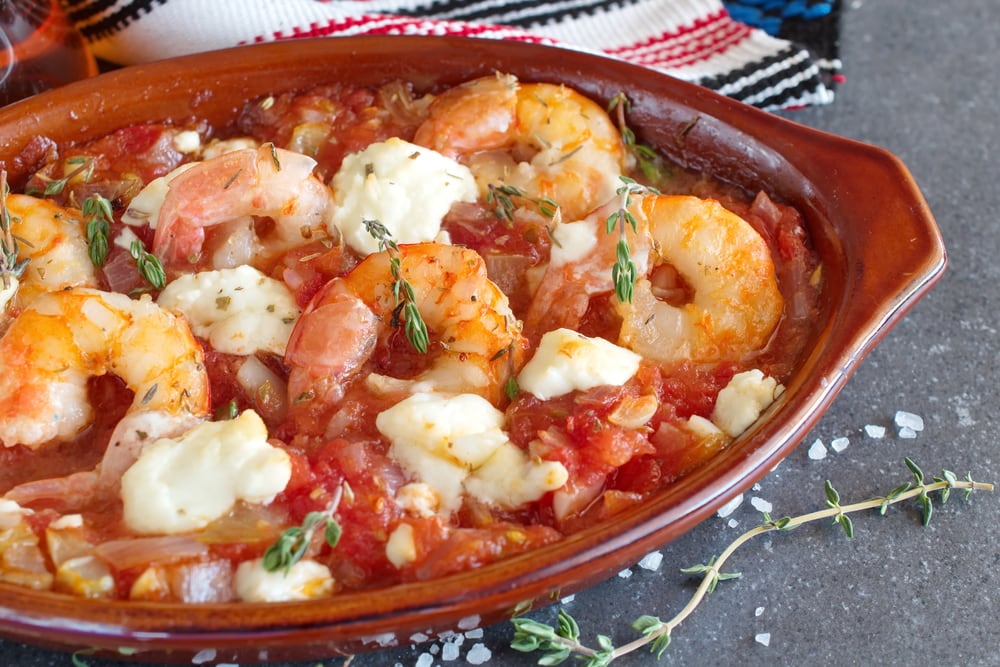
[923, 82]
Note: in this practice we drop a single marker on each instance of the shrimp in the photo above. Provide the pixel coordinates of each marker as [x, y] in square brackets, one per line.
[233, 187]
[548, 141]
[479, 342]
[735, 303]
[52, 238]
[579, 268]
[63, 338]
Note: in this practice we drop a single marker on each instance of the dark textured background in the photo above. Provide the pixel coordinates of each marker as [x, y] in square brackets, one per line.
[922, 81]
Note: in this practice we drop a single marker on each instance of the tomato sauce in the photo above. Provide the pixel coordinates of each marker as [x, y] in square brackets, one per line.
[618, 444]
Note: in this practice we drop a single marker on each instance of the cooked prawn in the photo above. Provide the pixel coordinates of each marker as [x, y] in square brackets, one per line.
[234, 187]
[736, 303]
[547, 141]
[476, 340]
[579, 268]
[52, 238]
[63, 338]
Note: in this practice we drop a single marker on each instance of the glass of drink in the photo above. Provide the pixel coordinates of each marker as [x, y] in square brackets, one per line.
[39, 49]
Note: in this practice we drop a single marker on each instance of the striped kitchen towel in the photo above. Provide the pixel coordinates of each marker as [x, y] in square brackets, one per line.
[770, 53]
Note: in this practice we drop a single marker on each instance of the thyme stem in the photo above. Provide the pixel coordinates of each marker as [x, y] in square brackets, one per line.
[531, 636]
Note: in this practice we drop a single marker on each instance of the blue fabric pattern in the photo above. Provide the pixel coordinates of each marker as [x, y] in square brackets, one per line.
[768, 15]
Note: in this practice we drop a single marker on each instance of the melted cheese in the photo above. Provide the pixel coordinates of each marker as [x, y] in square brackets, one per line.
[305, 580]
[405, 187]
[183, 484]
[239, 311]
[567, 361]
[740, 402]
[455, 445]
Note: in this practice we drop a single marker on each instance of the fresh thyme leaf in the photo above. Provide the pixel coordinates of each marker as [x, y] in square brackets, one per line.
[292, 545]
[98, 216]
[10, 267]
[149, 265]
[624, 272]
[651, 164]
[414, 326]
[530, 636]
[502, 198]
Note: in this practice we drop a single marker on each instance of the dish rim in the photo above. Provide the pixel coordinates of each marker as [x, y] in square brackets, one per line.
[862, 313]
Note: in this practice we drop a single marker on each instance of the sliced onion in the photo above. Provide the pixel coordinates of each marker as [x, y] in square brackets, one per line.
[267, 388]
[131, 552]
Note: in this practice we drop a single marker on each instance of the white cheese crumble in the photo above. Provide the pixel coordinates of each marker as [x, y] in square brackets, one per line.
[740, 402]
[405, 187]
[183, 484]
[239, 311]
[188, 141]
[456, 444]
[144, 209]
[566, 361]
[571, 242]
[401, 548]
[304, 580]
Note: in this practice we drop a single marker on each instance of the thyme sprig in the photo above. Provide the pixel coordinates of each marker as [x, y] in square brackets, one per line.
[97, 215]
[402, 291]
[148, 264]
[650, 163]
[293, 544]
[54, 186]
[503, 198]
[624, 272]
[560, 642]
[11, 268]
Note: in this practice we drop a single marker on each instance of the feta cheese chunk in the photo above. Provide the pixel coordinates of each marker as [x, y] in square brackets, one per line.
[571, 242]
[455, 445]
[566, 361]
[305, 580]
[144, 209]
[401, 548]
[239, 311]
[183, 484]
[740, 402]
[405, 187]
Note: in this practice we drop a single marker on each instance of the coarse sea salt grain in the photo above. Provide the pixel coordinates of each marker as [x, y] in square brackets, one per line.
[733, 523]
[907, 433]
[450, 649]
[758, 611]
[478, 654]
[875, 431]
[817, 451]
[625, 574]
[839, 444]
[760, 504]
[651, 561]
[731, 506]
[763, 638]
[568, 599]
[909, 420]
[425, 660]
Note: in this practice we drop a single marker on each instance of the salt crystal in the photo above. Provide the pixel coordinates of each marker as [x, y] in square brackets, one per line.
[475, 634]
[450, 651]
[203, 656]
[478, 654]
[568, 599]
[651, 561]
[839, 444]
[907, 433]
[817, 451]
[763, 638]
[760, 504]
[469, 622]
[418, 638]
[731, 506]
[909, 420]
[733, 523]
[756, 487]
[625, 574]
[875, 431]
[425, 660]
[758, 611]
[434, 649]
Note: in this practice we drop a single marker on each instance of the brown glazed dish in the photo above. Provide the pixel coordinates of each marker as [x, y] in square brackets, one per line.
[878, 242]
